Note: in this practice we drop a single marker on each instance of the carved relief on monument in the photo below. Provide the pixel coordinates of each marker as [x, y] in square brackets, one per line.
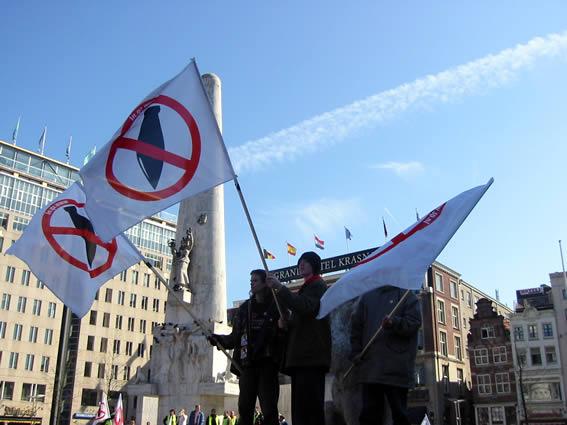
[180, 262]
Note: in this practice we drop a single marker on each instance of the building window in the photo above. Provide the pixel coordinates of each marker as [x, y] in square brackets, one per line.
[142, 326]
[17, 335]
[126, 374]
[90, 343]
[44, 367]
[26, 277]
[118, 322]
[114, 374]
[518, 333]
[101, 368]
[51, 309]
[92, 318]
[144, 303]
[499, 354]
[454, 290]
[438, 282]
[521, 355]
[484, 384]
[19, 224]
[121, 296]
[460, 376]
[547, 330]
[128, 348]
[22, 301]
[157, 283]
[419, 375]
[131, 324]
[30, 358]
[469, 299]
[487, 332]
[6, 298]
[458, 349]
[88, 369]
[147, 280]
[535, 356]
[40, 284]
[36, 310]
[502, 383]
[481, 356]
[123, 276]
[33, 392]
[108, 295]
[441, 311]
[550, 356]
[155, 306]
[497, 414]
[135, 277]
[13, 362]
[33, 334]
[133, 300]
[103, 344]
[3, 326]
[445, 374]
[48, 338]
[88, 397]
[116, 346]
[10, 273]
[141, 349]
[6, 390]
[106, 320]
[532, 332]
[455, 314]
[443, 342]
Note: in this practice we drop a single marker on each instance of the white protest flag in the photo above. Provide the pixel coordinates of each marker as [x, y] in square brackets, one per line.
[103, 412]
[168, 149]
[61, 249]
[403, 261]
[425, 420]
[118, 412]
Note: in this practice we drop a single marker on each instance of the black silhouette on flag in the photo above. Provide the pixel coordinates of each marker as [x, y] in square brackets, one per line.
[150, 132]
[82, 223]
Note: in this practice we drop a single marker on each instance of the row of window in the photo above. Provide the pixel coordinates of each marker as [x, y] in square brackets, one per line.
[30, 392]
[103, 373]
[455, 317]
[117, 346]
[499, 355]
[420, 376]
[484, 383]
[118, 322]
[443, 345]
[535, 357]
[32, 335]
[121, 298]
[22, 304]
[454, 290]
[10, 277]
[29, 363]
[533, 331]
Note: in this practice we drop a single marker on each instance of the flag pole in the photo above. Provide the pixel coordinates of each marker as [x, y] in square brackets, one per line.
[563, 265]
[199, 322]
[378, 332]
[287, 251]
[256, 240]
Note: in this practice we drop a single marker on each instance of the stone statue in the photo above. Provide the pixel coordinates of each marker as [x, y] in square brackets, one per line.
[180, 262]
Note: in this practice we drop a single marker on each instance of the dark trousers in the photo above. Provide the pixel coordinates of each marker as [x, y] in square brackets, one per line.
[308, 396]
[373, 404]
[260, 380]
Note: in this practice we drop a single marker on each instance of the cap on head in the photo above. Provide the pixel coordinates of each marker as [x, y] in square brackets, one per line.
[313, 259]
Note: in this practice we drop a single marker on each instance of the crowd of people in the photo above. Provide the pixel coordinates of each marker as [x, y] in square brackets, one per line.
[276, 330]
[198, 417]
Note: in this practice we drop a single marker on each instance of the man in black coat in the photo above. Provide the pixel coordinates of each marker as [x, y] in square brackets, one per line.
[308, 351]
[256, 344]
[387, 368]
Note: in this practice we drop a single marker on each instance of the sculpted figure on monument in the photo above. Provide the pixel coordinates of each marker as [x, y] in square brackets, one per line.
[180, 262]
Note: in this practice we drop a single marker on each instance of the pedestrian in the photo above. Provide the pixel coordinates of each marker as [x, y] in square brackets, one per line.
[170, 419]
[196, 417]
[182, 419]
[282, 420]
[256, 341]
[213, 418]
[387, 368]
[308, 351]
[258, 416]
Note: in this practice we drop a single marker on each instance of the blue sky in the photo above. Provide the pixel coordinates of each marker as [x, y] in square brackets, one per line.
[358, 111]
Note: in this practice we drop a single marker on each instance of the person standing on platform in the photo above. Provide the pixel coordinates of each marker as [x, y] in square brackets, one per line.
[213, 418]
[308, 351]
[182, 419]
[196, 417]
[255, 338]
[170, 419]
[387, 368]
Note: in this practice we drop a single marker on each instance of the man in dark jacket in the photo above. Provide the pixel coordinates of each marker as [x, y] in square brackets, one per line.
[197, 417]
[255, 340]
[308, 352]
[387, 368]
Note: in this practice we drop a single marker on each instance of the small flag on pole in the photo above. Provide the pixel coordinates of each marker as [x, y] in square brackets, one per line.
[42, 140]
[417, 215]
[385, 230]
[68, 150]
[268, 255]
[319, 243]
[118, 412]
[89, 155]
[291, 250]
[103, 412]
[16, 130]
[348, 235]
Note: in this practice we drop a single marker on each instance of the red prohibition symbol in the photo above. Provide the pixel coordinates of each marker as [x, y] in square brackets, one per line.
[50, 231]
[189, 166]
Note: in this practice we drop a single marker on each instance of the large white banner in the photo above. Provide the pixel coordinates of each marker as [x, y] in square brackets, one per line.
[168, 149]
[61, 248]
[403, 261]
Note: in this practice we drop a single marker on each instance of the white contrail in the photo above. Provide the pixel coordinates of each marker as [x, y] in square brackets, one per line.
[332, 127]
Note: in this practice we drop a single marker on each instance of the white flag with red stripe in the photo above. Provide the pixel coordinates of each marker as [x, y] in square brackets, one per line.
[103, 412]
[118, 412]
[168, 149]
[62, 250]
[403, 261]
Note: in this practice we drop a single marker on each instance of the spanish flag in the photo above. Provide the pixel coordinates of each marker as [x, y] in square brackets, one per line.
[291, 250]
[268, 255]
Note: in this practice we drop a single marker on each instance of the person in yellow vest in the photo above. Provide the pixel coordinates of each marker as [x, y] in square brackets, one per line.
[170, 419]
[213, 418]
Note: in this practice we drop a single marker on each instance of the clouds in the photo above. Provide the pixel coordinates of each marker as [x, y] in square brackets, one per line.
[401, 169]
[329, 128]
